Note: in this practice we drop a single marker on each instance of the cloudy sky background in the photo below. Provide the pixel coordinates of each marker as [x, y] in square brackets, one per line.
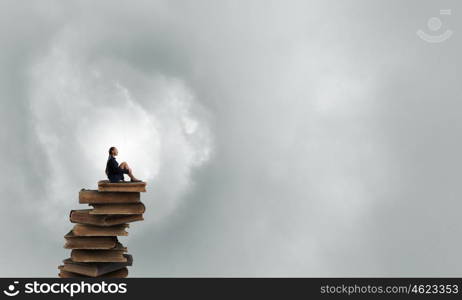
[278, 138]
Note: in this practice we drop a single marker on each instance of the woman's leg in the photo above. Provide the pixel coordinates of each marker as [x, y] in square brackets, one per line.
[124, 165]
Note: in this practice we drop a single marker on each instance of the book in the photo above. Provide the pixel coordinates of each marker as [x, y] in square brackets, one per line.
[79, 255]
[122, 186]
[120, 273]
[66, 274]
[94, 196]
[117, 209]
[89, 242]
[95, 269]
[83, 216]
[118, 246]
[91, 230]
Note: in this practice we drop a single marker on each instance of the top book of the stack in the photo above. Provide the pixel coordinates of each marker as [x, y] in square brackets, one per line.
[124, 186]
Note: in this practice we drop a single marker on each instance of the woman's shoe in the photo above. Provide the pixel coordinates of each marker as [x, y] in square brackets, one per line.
[135, 180]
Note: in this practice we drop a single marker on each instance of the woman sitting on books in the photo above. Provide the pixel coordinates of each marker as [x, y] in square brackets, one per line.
[115, 172]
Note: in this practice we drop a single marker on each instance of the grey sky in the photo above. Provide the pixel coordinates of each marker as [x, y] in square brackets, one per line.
[279, 138]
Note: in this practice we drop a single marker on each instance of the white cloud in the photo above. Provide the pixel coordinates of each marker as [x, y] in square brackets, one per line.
[80, 109]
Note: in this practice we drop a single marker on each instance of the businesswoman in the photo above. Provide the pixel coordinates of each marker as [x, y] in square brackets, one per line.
[114, 171]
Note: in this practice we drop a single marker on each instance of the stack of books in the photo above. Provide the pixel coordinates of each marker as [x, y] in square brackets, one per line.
[96, 250]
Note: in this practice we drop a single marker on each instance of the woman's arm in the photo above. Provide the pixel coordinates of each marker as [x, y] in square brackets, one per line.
[115, 169]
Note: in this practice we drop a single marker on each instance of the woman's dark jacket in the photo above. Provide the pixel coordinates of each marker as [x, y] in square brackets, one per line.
[113, 171]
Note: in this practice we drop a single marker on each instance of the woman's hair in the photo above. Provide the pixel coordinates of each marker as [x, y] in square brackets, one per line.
[111, 149]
